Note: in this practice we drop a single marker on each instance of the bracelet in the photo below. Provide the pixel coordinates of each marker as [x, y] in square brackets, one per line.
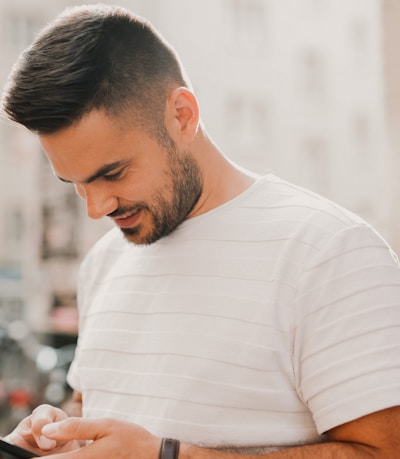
[169, 449]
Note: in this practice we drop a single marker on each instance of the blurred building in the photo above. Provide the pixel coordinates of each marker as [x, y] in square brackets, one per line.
[291, 86]
[391, 39]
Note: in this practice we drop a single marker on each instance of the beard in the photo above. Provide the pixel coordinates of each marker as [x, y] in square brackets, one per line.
[166, 215]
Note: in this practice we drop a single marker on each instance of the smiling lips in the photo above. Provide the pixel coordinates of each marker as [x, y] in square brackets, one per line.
[129, 220]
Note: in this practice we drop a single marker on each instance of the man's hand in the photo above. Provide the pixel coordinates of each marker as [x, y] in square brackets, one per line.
[110, 439]
[28, 434]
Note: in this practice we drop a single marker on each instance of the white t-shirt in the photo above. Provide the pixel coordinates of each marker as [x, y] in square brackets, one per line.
[264, 322]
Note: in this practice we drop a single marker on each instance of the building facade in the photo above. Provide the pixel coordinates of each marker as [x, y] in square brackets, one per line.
[295, 87]
[391, 38]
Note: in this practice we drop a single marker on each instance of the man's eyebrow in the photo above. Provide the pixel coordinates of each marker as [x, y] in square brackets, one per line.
[106, 169]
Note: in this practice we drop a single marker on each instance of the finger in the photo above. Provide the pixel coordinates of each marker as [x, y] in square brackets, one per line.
[83, 453]
[47, 413]
[77, 429]
[41, 416]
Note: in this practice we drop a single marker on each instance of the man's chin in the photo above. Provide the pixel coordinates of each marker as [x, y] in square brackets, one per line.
[133, 235]
[138, 236]
[145, 234]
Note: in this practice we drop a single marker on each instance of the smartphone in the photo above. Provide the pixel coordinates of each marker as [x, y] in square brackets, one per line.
[9, 451]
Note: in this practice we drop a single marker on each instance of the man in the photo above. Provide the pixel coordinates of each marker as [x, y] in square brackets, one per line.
[231, 313]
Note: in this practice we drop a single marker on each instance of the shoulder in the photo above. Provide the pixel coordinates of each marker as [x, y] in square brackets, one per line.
[295, 213]
[293, 200]
[102, 256]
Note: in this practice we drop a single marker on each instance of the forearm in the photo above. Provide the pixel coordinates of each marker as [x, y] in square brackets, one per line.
[329, 450]
[374, 436]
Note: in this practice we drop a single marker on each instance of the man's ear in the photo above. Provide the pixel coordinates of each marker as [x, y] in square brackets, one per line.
[182, 115]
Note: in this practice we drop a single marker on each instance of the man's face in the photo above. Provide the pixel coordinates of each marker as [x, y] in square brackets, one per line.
[148, 189]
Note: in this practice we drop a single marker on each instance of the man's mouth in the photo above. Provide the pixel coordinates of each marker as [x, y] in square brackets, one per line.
[128, 220]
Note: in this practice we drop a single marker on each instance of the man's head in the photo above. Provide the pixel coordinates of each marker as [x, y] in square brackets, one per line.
[108, 98]
[92, 58]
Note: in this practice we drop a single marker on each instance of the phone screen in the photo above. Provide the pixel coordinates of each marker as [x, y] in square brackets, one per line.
[9, 451]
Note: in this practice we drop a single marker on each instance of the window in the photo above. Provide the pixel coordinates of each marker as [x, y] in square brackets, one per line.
[312, 81]
[313, 77]
[247, 118]
[15, 227]
[60, 214]
[317, 6]
[248, 24]
[314, 165]
[361, 134]
[360, 37]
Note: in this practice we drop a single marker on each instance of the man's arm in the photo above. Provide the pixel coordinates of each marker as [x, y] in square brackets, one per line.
[375, 436]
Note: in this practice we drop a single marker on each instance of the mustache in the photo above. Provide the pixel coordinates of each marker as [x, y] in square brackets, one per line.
[127, 210]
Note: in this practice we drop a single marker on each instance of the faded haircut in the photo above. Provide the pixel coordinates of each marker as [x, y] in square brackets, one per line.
[93, 58]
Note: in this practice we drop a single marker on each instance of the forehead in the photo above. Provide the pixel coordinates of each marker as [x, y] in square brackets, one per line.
[79, 150]
[93, 129]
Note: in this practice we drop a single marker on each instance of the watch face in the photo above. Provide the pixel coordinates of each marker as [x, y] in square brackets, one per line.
[9, 451]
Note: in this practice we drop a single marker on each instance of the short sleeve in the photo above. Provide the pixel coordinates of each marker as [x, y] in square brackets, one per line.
[93, 269]
[73, 373]
[347, 338]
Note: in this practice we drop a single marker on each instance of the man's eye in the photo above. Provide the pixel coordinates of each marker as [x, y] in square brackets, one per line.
[114, 176]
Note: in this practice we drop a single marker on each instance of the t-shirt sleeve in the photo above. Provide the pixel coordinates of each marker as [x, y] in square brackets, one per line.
[94, 266]
[347, 338]
[85, 289]
[73, 373]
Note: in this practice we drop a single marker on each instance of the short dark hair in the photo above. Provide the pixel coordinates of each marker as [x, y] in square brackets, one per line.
[92, 57]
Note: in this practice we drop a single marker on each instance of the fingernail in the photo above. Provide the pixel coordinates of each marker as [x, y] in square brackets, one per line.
[50, 429]
[46, 443]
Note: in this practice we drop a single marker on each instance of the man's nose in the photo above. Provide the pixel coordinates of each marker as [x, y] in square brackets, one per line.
[99, 202]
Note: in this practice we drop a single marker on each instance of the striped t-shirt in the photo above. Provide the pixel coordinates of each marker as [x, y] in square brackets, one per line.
[264, 322]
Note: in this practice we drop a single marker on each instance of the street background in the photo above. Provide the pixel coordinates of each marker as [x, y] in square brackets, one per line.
[306, 89]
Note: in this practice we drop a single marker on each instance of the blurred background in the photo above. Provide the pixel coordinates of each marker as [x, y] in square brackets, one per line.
[306, 89]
